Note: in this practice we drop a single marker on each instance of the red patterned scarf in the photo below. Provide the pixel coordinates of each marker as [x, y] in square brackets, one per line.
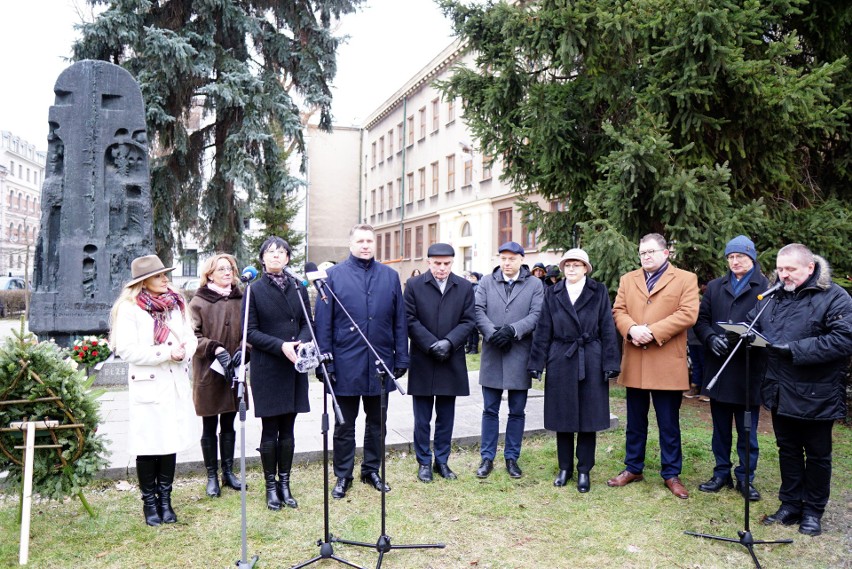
[159, 308]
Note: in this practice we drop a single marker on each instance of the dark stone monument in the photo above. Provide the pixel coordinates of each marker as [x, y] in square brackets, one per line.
[96, 201]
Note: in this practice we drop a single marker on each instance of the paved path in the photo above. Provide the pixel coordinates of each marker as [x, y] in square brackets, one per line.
[114, 418]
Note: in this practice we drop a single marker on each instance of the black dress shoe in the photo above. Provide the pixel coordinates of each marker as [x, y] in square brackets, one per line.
[424, 473]
[810, 525]
[485, 468]
[785, 515]
[444, 470]
[513, 469]
[374, 480]
[583, 482]
[716, 483]
[562, 478]
[341, 487]
[753, 494]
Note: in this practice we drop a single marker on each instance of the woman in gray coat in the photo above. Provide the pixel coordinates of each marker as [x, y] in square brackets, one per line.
[575, 340]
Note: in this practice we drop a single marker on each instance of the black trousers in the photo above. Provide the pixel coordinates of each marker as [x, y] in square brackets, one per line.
[586, 443]
[445, 413]
[804, 455]
[344, 435]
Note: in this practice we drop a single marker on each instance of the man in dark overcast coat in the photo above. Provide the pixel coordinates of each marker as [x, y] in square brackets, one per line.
[439, 307]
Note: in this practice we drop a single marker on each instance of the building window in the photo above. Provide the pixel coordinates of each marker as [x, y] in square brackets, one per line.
[487, 163]
[434, 178]
[399, 137]
[557, 205]
[28, 174]
[387, 246]
[19, 200]
[451, 111]
[390, 195]
[373, 154]
[435, 115]
[11, 197]
[504, 225]
[396, 244]
[451, 172]
[407, 245]
[418, 242]
[529, 238]
[410, 180]
[468, 172]
[421, 178]
[379, 246]
[399, 186]
[381, 149]
[422, 116]
[411, 130]
[390, 144]
[189, 262]
[465, 232]
[433, 233]
[11, 173]
[381, 198]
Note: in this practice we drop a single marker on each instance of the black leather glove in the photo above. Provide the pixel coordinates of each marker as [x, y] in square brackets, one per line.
[732, 337]
[237, 359]
[719, 345]
[610, 374]
[399, 372]
[502, 337]
[441, 349]
[534, 373]
[224, 361]
[780, 350]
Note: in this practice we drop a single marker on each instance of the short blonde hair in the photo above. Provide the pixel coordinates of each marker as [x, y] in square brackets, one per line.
[209, 267]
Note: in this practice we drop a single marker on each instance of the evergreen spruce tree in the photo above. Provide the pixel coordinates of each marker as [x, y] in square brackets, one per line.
[698, 120]
[252, 67]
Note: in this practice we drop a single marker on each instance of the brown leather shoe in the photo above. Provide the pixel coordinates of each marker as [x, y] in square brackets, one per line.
[624, 478]
[676, 486]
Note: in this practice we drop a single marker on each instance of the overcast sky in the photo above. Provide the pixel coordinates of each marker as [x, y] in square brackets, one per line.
[390, 40]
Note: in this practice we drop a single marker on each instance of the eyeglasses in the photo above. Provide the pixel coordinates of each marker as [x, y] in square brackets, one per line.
[573, 266]
[649, 253]
[224, 269]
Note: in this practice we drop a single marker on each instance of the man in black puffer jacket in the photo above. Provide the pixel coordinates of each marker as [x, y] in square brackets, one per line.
[809, 324]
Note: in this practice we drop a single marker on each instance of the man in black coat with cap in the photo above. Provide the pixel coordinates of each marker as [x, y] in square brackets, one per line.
[440, 311]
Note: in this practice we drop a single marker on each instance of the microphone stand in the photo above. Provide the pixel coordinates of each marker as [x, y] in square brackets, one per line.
[240, 379]
[326, 548]
[383, 544]
[745, 537]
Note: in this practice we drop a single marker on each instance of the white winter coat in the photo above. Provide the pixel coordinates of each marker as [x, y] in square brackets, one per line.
[162, 416]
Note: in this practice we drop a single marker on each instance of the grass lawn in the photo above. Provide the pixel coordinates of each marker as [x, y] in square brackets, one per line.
[493, 523]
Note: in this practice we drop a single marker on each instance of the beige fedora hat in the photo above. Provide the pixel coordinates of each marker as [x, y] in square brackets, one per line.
[575, 255]
[143, 267]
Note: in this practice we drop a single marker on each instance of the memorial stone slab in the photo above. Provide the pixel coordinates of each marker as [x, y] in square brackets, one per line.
[96, 201]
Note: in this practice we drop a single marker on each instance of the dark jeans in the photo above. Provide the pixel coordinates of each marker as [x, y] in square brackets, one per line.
[586, 443]
[491, 422]
[667, 408]
[804, 455]
[445, 414]
[724, 415]
[344, 435]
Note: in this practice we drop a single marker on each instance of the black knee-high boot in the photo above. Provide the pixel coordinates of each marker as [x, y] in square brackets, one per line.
[226, 452]
[146, 471]
[285, 464]
[209, 448]
[269, 460]
[165, 478]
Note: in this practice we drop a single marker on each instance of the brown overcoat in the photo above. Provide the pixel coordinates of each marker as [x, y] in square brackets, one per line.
[669, 311]
[217, 321]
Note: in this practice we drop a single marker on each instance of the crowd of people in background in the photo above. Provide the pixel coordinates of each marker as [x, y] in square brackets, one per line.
[554, 324]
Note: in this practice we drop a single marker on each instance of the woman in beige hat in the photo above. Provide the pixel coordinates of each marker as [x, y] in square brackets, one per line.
[575, 341]
[152, 332]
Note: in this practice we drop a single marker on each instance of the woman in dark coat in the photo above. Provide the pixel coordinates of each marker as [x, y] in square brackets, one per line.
[276, 327]
[216, 316]
[576, 342]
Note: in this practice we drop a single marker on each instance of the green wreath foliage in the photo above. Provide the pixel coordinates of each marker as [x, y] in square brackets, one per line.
[30, 370]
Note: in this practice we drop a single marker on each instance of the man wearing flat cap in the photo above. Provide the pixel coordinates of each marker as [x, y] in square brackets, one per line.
[729, 299]
[439, 309]
[508, 304]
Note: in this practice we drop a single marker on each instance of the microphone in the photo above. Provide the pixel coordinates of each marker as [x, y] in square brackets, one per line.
[291, 273]
[771, 290]
[249, 274]
[318, 278]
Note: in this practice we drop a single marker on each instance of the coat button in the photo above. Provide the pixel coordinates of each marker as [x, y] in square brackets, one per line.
[649, 301]
[132, 377]
[227, 322]
[169, 343]
[152, 376]
[158, 353]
